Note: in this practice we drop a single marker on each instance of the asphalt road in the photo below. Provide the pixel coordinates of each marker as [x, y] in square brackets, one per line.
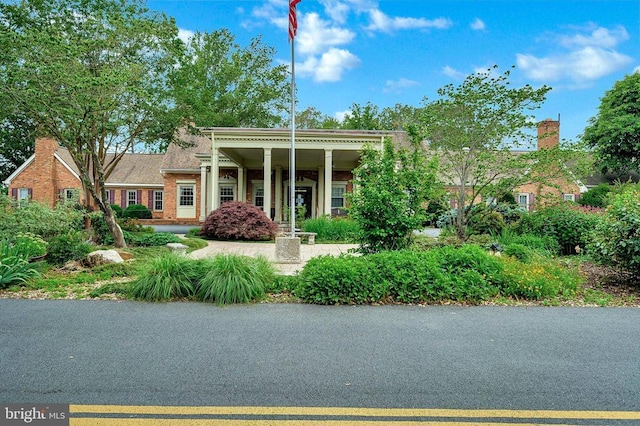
[192, 354]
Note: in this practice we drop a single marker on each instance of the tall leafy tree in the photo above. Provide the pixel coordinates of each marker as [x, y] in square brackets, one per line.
[363, 117]
[472, 128]
[224, 84]
[16, 142]
[312, 118]
[614, 133]
[94, 74]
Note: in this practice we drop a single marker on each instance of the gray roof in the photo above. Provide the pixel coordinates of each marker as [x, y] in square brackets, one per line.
[133, 169]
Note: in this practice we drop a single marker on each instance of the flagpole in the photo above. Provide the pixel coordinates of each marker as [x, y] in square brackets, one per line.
[292, 161]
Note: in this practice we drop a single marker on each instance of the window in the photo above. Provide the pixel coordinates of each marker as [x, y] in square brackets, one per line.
[186, 196]
[337, 196]
[569, 197]
[258, 196]
[158, 200]
[132, 197]
[226, 193]
[523, 200]
[23, 194]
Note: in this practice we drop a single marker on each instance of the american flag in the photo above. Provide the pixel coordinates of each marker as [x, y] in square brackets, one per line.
[293, 20]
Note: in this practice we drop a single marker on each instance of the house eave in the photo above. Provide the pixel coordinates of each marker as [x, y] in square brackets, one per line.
[12, 176]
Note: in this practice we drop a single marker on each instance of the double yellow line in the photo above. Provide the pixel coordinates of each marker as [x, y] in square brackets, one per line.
[132, 415]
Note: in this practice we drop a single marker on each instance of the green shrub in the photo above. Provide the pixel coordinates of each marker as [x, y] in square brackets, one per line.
[193, 233]
[327, 280]
[15, 267]
[165, 277]
[617, 238]
[68, 246]
[39, 219]
[393, 186]
[15, 270]
[137, 211]
[519, 251]
[153, 239]
[486, 221]
[462, 274]
[281, 284]
[569, 225]
[332, 229]
[117, 210]
[596, 197]
[544, 245]
[232, 278]
[24, 245]
[537, 280]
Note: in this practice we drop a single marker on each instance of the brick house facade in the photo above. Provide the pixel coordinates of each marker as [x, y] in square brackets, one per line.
[221, 164]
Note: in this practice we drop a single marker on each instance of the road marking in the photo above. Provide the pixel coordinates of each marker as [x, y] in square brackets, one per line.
[153, 415]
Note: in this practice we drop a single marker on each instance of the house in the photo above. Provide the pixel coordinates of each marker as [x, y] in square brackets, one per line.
[220, 164]
[185, 184]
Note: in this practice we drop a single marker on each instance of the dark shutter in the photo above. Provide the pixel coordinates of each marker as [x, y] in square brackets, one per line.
[112, 196]
[139, 196]
[150, 201]
[14, 193]
[61, 194]
[30, 193]
[123, 201]
[532, 200]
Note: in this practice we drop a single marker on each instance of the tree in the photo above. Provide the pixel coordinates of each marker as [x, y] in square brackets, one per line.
[392, 189]
[614, 133]
[472, 128]
[223, 84]
[16, 143]
[312, 118]
[365, 117]
[94, 74]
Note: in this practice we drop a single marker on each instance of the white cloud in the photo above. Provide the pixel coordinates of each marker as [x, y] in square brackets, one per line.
[316, 35]
[341, 115]
[382, 22]
[478, 25]
[637, 69]
[599, 37]
[185, 35]
[397, 86]
[329, 66]
[587, 56]
[336, 10]
[453, 73]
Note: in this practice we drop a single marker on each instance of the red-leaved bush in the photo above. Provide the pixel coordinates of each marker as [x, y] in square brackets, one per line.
[235, 220]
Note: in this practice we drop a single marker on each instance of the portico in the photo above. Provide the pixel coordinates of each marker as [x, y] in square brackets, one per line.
[253, 165]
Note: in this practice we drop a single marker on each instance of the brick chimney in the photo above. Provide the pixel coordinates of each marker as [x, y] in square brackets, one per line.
[548, 133]
[42, 175]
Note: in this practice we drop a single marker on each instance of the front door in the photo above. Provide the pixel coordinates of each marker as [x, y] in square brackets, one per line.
[304, 198]
[186, 205]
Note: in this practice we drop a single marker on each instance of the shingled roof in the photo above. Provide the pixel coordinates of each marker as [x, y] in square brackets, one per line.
[133, 169]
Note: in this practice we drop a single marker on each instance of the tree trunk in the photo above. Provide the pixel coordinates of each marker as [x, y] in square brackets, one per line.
[116, 231]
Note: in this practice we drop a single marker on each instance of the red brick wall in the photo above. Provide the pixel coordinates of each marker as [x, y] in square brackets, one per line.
[46, 175]
[548, 133]
[171, 193]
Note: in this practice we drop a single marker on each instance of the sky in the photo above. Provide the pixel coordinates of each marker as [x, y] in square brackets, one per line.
[391, 52]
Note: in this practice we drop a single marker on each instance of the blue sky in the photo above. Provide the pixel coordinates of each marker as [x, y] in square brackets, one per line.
[401, 51]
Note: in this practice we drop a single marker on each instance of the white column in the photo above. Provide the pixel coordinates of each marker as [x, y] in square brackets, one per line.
[267, 181]
[203, 192]
[320, 191]
[328, 169]
[215, 179]
[279, 193]
[242, 193]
